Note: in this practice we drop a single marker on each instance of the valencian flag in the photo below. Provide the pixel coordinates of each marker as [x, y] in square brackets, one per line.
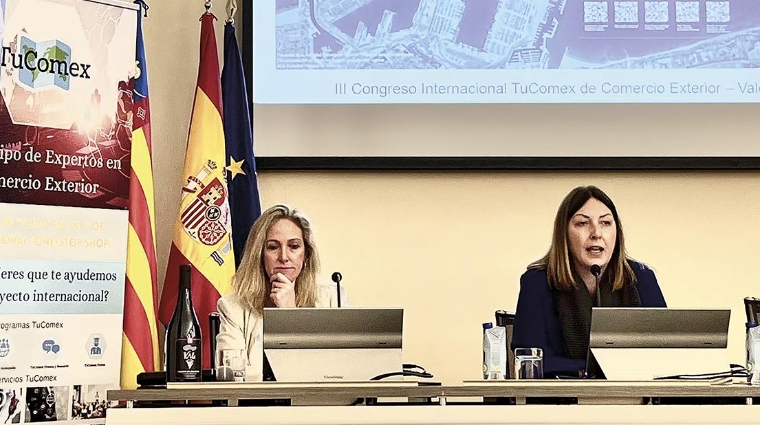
[140, 349]
[243, 184]
[202, 235]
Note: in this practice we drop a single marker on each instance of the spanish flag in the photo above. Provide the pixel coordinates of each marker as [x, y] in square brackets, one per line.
[140, 350]
[202, 233]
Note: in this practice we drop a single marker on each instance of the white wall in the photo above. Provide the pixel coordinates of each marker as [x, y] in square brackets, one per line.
[450, 246]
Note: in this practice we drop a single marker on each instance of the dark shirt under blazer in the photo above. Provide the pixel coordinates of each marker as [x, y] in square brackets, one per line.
[537, 322]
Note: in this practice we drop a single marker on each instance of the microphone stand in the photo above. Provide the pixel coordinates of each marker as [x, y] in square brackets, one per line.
[596, 271]
[337, 277]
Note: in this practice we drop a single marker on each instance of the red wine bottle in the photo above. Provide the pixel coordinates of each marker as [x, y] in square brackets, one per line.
[183, 336]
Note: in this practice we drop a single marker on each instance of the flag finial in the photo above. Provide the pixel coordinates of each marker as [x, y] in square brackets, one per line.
[231, 9]
[143, 6]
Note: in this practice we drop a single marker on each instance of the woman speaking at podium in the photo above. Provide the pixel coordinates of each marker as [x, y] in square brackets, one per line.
[279, 268]
[558, 291]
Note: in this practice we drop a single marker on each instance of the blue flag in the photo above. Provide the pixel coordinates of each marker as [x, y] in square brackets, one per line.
[243, 186]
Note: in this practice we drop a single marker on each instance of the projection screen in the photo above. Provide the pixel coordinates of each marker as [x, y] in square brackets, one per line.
[504, 83]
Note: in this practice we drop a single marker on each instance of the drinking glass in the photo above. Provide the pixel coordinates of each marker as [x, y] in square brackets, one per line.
[230, 364]
[529, 363]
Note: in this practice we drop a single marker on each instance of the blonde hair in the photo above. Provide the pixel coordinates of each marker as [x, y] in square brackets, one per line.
[557, 263]
[251, 282]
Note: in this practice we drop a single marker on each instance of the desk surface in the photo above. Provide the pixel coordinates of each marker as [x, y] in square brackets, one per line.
[402, 389]
[274, 390]
[596, 388]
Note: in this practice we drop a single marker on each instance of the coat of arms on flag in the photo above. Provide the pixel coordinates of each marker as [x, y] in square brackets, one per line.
[206, 219]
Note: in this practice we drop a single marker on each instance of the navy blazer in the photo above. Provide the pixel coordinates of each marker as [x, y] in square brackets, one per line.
[537, 323]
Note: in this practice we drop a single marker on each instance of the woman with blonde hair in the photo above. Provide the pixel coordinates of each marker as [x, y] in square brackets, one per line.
[279, 268]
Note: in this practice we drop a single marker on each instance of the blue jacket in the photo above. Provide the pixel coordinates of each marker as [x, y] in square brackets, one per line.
[537, 322]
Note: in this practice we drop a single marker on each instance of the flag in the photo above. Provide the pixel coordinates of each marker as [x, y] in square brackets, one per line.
[140, 350]
[202, 234]
[245, 204]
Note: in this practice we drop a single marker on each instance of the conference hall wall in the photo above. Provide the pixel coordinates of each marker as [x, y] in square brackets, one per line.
[449, 245]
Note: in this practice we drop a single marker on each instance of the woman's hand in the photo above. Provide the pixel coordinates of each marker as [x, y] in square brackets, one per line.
[283, 292]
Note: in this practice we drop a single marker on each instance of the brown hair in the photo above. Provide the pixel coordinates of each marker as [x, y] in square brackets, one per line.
[557, 261]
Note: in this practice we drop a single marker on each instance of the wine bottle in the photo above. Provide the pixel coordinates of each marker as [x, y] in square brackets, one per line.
[183, 336]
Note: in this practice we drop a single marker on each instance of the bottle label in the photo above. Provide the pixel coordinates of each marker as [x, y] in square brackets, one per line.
[189, 358]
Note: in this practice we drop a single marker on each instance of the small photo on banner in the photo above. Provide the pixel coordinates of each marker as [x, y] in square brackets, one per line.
[46, 404]
[11, 405]
[89, 402]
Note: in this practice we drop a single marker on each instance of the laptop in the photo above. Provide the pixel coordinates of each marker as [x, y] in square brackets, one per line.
[332, 344]
[639, 344]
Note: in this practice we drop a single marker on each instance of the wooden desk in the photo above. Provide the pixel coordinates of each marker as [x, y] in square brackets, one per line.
[439, 408]
[601, 391]
[607, 391]
[316, 393]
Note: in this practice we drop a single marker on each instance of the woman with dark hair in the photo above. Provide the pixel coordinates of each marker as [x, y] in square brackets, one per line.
[558, 291]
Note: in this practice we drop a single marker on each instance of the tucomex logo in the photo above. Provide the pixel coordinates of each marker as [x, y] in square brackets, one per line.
[46, 63]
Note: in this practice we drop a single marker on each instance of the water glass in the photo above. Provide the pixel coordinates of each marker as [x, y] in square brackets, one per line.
[230, 364]
[529, 363]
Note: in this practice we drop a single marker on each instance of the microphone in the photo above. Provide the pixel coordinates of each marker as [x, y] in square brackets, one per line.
[596, 270]
[337, 277]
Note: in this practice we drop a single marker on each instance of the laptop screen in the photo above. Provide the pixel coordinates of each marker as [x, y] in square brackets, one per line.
[655, 328]
[313, 344]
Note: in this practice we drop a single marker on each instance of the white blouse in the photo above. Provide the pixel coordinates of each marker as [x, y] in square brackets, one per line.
[241, 328]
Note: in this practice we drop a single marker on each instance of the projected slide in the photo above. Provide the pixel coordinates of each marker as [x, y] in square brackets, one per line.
[506, 51]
